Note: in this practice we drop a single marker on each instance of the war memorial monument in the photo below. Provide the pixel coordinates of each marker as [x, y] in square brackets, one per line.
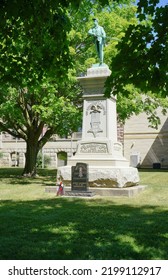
[98, 150]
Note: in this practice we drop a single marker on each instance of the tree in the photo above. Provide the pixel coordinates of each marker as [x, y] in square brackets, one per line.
[35, 74]
[143, 52]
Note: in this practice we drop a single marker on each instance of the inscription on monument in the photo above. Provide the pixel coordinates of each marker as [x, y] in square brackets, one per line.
[93, 148]
[79, 180]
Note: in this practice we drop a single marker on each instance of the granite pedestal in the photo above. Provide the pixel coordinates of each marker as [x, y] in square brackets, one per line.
[99, 147]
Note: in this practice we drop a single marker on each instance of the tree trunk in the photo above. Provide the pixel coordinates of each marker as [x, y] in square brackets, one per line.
[31, 158]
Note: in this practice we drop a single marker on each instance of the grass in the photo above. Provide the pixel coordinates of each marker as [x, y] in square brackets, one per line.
[38, 225]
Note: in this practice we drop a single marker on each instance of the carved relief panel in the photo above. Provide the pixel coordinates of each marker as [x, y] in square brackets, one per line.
[95, 117]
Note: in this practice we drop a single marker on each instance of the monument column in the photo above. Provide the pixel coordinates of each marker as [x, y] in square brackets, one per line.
[99, 147]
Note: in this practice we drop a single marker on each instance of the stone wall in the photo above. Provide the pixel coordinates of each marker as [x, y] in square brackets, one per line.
[13, 150]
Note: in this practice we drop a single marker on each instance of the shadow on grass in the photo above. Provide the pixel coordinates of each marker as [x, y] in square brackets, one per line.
[17, 172]
[63, 228]
[14, 176]
[142, 170]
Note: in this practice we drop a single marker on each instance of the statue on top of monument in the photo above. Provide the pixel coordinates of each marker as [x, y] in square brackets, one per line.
[99, 34]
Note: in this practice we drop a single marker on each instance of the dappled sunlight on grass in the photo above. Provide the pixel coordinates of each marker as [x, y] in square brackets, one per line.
[63, 229]
[39, 225]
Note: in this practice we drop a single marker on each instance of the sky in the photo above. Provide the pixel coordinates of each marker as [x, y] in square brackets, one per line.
[163, 2]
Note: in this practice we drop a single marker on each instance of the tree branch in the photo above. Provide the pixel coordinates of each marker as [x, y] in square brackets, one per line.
[45, 137]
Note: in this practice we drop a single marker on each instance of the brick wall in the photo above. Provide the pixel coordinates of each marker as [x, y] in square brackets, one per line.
[120, 132]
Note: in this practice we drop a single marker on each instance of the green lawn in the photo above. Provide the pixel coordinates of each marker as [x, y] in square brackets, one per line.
[39, 225]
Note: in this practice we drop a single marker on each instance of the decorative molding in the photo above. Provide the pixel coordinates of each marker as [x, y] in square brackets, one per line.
[97, 104]
[117, 146]
[98, 71]
[90, 91]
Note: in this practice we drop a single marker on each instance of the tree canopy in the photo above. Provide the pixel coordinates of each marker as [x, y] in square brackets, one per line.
[143, 52]
[35, 74]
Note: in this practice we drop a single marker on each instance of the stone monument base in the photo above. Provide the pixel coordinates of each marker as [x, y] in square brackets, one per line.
[105, 176]
[121, 192]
